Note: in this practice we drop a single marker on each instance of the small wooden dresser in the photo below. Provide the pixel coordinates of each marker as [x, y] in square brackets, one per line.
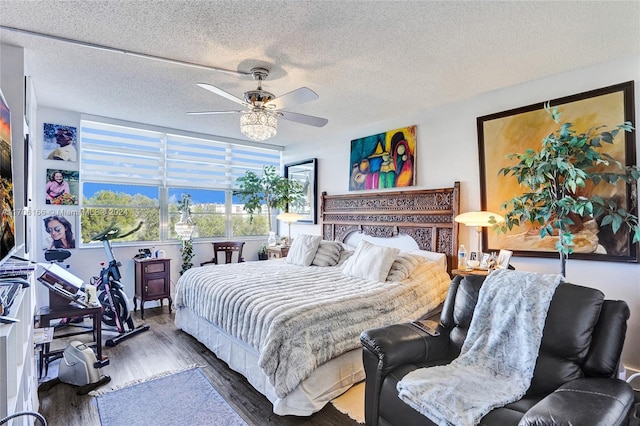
[153, 281]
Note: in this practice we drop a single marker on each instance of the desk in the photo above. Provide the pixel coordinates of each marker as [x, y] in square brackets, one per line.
[47, 314]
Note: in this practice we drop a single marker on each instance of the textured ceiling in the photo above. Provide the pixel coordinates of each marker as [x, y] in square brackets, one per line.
[367, 61]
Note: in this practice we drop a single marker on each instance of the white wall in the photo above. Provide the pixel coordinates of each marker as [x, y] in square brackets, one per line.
[447, 151]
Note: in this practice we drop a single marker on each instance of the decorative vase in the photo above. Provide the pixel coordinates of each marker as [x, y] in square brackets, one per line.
[272, 239]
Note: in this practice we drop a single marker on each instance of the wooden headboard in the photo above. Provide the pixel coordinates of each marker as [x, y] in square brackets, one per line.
[424, 215]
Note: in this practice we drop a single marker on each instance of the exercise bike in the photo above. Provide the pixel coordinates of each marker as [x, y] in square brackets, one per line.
[115, 309]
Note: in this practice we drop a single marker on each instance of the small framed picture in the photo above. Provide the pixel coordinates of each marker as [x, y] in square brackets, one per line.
[484, 262]
[59, 142]
[503, 259]
[473, 261]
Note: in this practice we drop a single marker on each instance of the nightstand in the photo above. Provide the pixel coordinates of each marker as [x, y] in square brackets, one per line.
[153, 281]
[465, 272]
[277, 252]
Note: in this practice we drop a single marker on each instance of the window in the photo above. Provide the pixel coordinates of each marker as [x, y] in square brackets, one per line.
[126, 205]
[130, 175]
[207, 211]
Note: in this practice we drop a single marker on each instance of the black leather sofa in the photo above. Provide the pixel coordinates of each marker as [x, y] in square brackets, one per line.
[574, 381]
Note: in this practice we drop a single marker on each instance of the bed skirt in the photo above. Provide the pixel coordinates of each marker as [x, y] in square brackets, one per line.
[326, 383]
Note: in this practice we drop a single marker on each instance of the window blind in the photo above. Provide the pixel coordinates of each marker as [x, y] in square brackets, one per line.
[119, 154]
[204, 163]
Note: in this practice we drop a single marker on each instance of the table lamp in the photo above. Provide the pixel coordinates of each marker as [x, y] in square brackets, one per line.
[479, 220]
[289, 218]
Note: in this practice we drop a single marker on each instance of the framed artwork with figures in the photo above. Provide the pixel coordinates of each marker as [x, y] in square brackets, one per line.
[60, 142]
[62, 187]
[383, 160]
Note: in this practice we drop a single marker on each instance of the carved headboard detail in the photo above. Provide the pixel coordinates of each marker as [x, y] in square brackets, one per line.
[425, 215]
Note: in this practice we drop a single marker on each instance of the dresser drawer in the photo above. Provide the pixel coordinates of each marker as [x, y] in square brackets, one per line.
[154, 267]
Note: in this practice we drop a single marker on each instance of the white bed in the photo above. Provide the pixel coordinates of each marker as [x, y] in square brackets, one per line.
[259, 320]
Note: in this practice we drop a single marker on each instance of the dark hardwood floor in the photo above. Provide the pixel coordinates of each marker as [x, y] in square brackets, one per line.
[166, 348]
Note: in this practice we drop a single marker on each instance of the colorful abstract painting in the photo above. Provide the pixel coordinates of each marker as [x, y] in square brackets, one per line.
[385, 160]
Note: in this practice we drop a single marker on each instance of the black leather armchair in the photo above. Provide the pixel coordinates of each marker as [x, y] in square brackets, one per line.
[574, 381]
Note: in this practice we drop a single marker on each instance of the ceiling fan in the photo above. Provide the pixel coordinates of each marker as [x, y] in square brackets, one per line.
[259, 120]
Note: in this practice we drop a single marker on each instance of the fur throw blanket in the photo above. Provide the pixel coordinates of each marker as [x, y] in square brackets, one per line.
[498, 356]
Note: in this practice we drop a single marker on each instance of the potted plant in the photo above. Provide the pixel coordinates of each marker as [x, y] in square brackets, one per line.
[262, 252]
[270, 189]
[184, 207]
[553, 177]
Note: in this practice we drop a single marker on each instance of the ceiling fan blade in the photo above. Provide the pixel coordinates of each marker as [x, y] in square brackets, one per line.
[212, 112]
[222, 93]
[296, 97]
[302, 118]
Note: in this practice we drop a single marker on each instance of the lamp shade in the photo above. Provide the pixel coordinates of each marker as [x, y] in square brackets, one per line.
[289, 217]
[478, 218]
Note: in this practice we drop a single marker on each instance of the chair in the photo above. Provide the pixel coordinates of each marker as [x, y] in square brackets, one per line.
[574, 380]
[228, 248]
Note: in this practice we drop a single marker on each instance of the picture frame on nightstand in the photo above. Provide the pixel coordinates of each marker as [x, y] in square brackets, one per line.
[503, 259]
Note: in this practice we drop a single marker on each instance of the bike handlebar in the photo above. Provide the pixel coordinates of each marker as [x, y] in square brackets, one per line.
[112, 232]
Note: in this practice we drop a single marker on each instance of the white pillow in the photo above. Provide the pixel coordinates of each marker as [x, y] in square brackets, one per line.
[433, 256]
[370, 262]
[328, 253]
[303, 249]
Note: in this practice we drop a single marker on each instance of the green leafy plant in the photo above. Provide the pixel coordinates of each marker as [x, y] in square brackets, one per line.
[270, 189]
[186, 253]
[263, 253]
[263, 248]
[554, 177]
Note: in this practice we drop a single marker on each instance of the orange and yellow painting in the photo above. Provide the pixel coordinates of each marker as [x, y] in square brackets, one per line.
[516, 131]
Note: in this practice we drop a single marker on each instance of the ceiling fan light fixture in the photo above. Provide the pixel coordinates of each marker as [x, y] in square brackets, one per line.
[259, 125]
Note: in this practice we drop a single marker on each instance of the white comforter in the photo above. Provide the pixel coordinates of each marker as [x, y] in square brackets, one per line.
[299, 317]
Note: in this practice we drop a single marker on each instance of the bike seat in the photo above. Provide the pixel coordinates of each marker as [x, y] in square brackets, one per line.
[57, 255]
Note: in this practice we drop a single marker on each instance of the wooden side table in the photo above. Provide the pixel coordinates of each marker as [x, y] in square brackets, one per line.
[153, 281]
[277, 252]
[465, 272]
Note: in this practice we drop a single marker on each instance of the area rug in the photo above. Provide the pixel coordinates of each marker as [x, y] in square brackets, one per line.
[351, 403]
[181, 398]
